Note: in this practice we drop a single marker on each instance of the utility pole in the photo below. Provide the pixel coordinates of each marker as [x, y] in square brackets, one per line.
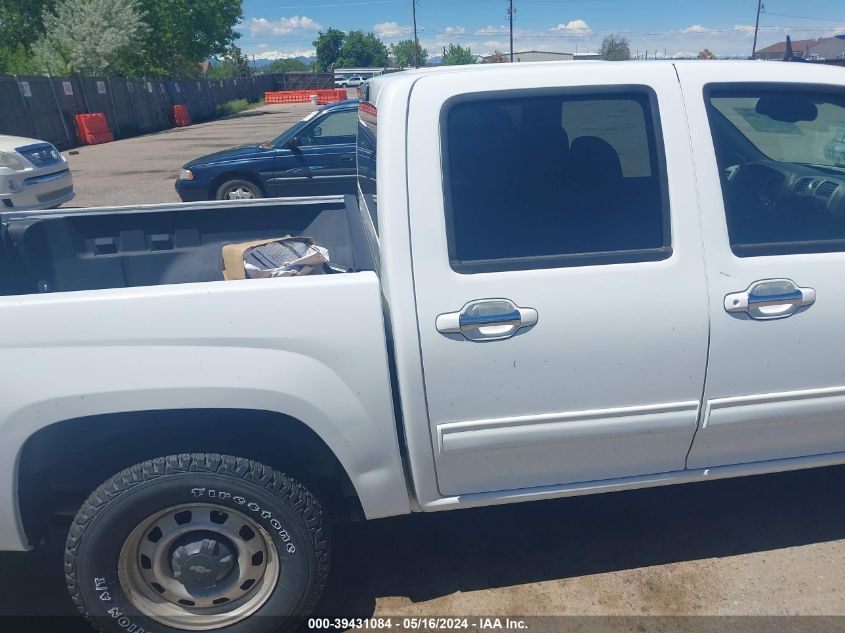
[416, 40]
[510, 22]
[756, 28]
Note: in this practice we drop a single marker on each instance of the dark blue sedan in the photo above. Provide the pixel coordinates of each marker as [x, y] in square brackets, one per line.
[316, 157]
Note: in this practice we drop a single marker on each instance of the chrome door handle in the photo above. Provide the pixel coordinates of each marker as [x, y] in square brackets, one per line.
[770, 299]
[487, 320]
[471, 320]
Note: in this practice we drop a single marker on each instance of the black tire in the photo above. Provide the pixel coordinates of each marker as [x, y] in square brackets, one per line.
[230, 188]
[239, 487]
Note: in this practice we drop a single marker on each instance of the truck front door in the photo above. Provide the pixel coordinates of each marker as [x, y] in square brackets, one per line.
[773, 215]
[559, 278]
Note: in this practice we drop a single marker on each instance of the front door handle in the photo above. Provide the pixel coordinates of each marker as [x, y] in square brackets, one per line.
[347, 158]
[770, 299]
[487, 320]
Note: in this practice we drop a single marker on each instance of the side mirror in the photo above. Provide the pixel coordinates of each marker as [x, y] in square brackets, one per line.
[293, 143]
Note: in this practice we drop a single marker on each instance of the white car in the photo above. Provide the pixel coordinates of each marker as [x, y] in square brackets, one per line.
[33, 175]
[351, 82]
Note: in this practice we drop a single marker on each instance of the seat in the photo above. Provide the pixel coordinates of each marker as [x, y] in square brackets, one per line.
[598, 202]
[594, 164]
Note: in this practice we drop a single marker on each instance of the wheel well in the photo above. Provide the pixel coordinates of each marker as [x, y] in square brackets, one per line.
[63, 463]
[233, 175]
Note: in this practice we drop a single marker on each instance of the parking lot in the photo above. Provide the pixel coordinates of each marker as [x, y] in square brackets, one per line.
[142, 170]
[760, 546]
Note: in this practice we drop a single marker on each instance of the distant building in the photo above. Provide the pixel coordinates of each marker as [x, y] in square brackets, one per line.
[592, 56]
[529, 56]
[819, 49]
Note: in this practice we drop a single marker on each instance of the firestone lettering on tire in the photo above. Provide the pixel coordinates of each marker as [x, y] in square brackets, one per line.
[274, 523]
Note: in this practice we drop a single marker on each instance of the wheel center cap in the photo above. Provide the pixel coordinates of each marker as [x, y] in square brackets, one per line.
[202, 559]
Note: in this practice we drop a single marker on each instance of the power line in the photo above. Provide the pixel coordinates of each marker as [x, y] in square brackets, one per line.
[803, 17]
[563, 36]
[342, 4]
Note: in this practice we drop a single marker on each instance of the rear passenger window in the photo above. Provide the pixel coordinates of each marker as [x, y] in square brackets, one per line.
[542, 181]
[781, 157]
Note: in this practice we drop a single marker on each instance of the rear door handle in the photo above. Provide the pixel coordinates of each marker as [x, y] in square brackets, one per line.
[769, 299]
[347, 158]
[487, 320]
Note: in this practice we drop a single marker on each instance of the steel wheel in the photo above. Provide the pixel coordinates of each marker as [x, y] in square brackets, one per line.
[198, 567]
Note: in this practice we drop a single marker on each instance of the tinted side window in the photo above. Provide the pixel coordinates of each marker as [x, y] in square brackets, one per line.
[539, 181]
[781, 157]
[332, 129]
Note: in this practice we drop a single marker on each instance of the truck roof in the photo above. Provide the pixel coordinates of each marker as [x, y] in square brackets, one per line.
[719, 67]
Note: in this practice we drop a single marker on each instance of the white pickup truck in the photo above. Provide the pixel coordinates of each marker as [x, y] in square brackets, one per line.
[562, 279]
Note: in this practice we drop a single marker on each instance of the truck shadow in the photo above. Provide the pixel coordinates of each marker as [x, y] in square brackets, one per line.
[428, 556]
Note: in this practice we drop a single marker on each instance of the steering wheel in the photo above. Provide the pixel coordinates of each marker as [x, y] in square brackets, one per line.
[736, 163]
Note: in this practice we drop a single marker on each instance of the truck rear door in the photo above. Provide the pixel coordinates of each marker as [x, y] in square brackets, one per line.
[773, 215]
[558, 272]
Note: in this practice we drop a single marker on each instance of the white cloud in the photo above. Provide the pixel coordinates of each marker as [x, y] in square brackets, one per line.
[390, 29]
[574, 26]
[578, 36]
[284, 54]
[454, 30]
[491, 30]
[745, 28]
[262, 27]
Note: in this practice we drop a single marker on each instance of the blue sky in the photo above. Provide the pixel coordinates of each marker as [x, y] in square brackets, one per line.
[283, 28]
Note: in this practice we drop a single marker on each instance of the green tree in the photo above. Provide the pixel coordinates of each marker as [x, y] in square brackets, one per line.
[361, 49]
[328, 47]
[403, 53]
[18, 61]
[184, 34]
[235, 64]
[615, 48]
[457, 55]
[91, 37]
[20, 26]
[288, 65]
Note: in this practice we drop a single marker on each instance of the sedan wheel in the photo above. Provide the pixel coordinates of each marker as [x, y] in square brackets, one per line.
[238, 190]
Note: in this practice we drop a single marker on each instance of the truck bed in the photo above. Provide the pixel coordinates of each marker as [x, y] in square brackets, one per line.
[86, 249]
